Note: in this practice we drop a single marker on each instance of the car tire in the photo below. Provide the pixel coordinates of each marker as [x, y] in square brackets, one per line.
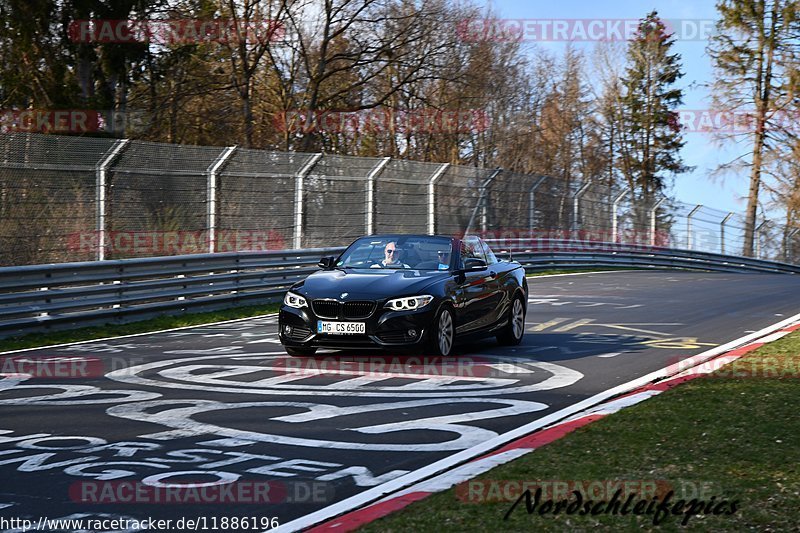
[512, 333]
[299, 352]
[443, 333]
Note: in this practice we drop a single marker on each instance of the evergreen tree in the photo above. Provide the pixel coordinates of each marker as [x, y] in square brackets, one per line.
[651, 136]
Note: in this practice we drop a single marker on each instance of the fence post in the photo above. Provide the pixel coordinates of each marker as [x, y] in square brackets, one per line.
[101, 194]
[297, 241]
[722, 233]
[211, 204]
[758, 238]
[790, 245]
[653, 221]
[480, 204]
[614, 209]
[485, 199]
[432, 197]
[532, 203]
[689, 226]
[370, 222]
[575, 205]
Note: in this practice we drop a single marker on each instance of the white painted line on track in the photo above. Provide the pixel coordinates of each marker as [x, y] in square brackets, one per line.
[49, 346]
[381, 491]
[587, 273]
[774, 336]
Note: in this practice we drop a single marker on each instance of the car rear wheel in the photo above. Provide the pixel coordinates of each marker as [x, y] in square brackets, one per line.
[443, 333]
[297, 352]
[511, 334]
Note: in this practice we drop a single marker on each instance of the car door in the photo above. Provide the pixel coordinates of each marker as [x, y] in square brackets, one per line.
[473, 304]
[498, 297]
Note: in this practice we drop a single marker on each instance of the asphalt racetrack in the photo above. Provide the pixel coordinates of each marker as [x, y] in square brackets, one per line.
[216, 422]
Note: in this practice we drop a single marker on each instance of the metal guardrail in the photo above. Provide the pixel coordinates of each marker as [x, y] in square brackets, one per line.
[543, 254]
[58, 296]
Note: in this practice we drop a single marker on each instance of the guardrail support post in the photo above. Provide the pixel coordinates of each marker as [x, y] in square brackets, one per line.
[689, 226]
[653, 221]
[614, 209]
[211, 204]
[575, 205]
[370, 222]
[758, 238]
[432, 197]
[532, 203]
[297, 241]
[101, 194]
[722, 233]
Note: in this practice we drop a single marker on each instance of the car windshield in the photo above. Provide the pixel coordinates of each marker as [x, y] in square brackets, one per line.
[420, 252]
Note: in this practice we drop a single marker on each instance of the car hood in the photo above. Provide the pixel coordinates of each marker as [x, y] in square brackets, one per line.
[368, 284]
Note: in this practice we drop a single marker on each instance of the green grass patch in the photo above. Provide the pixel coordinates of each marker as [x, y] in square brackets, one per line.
[734, 435]
[36, 340]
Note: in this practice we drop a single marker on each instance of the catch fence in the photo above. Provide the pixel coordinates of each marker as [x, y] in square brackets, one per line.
[65, 199]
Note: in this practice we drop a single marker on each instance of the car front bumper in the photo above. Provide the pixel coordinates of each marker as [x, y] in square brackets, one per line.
[297, 328]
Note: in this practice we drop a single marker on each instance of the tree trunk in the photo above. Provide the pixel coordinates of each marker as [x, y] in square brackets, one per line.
[752, 197]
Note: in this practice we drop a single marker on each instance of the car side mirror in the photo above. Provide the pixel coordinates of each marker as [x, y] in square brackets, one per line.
[327, 263]
[472, 264]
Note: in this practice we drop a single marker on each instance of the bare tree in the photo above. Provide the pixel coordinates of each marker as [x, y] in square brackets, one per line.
[754, 50]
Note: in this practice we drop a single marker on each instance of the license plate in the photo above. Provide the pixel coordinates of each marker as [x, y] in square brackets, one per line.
[342, 328]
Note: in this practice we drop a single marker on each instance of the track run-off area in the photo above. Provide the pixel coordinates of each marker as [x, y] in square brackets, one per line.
[217, 422]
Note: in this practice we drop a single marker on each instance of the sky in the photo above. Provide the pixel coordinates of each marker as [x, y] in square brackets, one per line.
[693, 16]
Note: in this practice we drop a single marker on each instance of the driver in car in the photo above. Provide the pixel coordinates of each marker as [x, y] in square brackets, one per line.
[444, 259]
[391, 257]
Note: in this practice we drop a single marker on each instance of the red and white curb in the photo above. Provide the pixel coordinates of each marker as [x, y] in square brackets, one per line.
[687, 370]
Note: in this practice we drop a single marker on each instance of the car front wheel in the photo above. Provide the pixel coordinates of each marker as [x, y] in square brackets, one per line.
[443, 333]
[511, 334]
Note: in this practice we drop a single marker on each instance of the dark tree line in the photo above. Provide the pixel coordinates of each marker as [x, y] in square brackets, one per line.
[402, 71]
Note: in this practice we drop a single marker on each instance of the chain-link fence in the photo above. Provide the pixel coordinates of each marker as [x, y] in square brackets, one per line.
[81, 199]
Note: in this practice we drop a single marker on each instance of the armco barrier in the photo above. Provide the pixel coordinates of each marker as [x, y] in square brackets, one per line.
[542, 254]
[64, 295]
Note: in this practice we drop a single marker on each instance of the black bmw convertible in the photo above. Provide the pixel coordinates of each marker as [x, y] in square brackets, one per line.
[421, 292]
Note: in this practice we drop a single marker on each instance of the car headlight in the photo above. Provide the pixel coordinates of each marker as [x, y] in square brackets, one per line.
[294, 300]
[409, 303]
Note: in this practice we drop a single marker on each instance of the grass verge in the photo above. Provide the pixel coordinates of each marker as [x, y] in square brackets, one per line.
[36, 340]
[734, 435]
